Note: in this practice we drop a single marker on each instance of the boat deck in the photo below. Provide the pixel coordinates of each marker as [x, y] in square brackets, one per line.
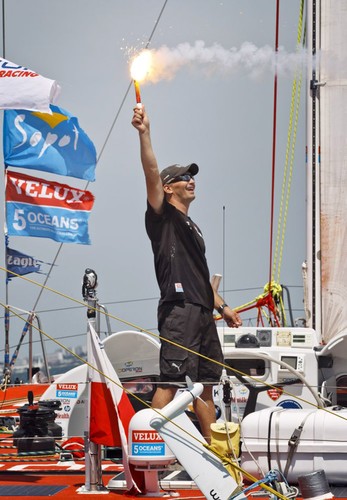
[57, 480]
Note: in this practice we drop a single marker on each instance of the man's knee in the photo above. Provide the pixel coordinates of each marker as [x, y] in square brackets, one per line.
[163, 396]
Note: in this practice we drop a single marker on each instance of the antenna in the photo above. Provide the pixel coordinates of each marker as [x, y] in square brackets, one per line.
[223, 245]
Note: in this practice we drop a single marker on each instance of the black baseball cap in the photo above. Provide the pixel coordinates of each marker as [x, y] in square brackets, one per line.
[173, 171]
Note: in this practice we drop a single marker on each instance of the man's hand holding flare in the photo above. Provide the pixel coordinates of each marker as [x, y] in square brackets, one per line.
[140, 120]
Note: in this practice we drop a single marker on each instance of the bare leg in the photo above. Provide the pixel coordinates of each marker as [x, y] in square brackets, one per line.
[163, 396]
[206, 414]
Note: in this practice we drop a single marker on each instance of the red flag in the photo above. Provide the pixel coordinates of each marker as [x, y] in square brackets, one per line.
[110, 408]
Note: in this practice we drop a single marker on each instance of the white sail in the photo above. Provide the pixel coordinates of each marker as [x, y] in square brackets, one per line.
[333, 168]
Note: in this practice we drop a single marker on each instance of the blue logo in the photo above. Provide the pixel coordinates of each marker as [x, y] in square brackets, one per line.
[290, 403]
[148, 449]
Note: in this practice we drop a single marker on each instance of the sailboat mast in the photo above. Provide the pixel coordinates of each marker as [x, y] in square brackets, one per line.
[313, 172]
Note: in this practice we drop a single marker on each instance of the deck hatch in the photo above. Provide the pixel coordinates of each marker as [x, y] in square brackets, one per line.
[30, 491]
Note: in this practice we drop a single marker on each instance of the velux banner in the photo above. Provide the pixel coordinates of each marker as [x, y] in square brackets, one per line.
[47, 209]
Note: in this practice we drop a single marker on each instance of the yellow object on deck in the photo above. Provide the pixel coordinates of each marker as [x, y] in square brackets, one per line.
[225, 440]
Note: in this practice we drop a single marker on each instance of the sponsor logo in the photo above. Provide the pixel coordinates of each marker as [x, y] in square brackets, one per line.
[176, 365]
[66, 394]
[26, 261]
[36, 189]
[63, 415]
[67, 387]
[275, 394]
[147, 442]
[148, 449]
[14, 70]
[67, 391]
[290, 403]
[239, 400]
[146, 436]
[129, 368]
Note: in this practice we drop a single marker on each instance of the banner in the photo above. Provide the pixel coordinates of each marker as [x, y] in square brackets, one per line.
[47, 209]
[21, 264]
[49, 142]
[22, 88]
[110, 408]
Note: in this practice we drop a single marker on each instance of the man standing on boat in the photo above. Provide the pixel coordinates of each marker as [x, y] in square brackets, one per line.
[185, 312]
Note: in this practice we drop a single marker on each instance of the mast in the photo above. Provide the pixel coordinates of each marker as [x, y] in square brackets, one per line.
[313, 172]
[93, 473]
[327, 168]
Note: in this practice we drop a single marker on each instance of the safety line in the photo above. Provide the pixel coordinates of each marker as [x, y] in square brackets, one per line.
[223, 365]
[103, 148]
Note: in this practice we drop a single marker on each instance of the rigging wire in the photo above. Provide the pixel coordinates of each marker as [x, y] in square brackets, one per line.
[223, 365]
[289, 157]
[273, 292]
[144, 299]
[102, 148]
[106, 140]
[274, 143]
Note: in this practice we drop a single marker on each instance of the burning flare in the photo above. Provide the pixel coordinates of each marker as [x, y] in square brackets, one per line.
[140, 68]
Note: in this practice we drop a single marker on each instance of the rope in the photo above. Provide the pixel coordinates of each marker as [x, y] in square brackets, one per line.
[255, 379]
[226, 460]
[289, 157]
[149, 333]
[271, 299]
[270, 303]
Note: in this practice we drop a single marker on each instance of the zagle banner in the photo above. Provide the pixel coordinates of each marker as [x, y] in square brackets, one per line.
[49, 142]
[22, 88]
[47, 209]
[20, 263]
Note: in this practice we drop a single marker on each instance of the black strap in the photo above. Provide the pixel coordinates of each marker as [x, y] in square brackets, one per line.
[293, 442]
[269, 442]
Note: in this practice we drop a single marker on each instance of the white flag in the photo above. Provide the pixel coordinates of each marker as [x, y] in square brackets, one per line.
[22, 88]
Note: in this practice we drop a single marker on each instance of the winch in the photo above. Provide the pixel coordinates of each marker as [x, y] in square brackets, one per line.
[35, 423]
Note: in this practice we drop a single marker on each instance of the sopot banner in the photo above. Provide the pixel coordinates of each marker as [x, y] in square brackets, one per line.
[47, 209]
[49, 142]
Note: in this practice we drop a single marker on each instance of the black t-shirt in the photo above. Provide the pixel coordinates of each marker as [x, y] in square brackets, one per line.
[179, 257]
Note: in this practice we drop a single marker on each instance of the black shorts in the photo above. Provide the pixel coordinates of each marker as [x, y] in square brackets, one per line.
[191, 326]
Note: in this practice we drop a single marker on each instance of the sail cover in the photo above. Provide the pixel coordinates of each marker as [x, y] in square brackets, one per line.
[333, 169]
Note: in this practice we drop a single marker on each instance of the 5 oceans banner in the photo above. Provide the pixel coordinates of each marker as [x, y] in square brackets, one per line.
[47, 209]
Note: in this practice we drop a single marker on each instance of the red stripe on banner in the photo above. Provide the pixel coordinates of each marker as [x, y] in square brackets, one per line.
[103, 416]
[35, 191]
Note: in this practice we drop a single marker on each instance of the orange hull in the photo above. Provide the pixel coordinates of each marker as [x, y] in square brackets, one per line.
[15, 396]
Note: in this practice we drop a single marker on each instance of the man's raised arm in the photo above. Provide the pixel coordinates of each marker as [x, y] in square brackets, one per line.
[155, 193]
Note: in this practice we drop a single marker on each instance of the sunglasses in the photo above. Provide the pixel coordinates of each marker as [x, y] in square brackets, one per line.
[180, 178]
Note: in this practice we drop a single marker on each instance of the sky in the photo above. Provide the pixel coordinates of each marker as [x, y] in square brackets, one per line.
[213, 105]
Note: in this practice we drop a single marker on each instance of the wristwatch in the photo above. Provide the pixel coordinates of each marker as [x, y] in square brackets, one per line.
[220, 309]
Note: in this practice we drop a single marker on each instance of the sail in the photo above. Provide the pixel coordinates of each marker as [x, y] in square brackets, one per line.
[332, 79]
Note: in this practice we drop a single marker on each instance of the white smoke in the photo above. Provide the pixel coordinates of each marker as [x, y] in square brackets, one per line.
[248, 59]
